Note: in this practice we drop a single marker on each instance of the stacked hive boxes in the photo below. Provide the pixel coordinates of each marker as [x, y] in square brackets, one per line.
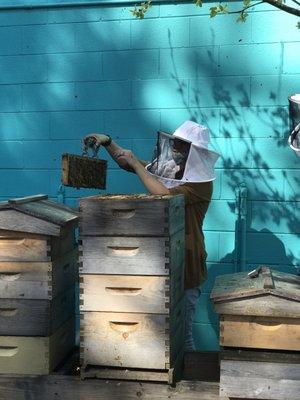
[259, 334]
[131, 286]
[38, 269]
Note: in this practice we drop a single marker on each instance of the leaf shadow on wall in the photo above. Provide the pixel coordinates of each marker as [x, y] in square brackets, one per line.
[247, 139]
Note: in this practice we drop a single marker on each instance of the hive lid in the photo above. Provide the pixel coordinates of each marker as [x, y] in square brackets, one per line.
[131, 197]
[19, 215]
[240, 285]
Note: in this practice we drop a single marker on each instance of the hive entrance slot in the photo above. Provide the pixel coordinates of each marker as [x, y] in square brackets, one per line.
[123, 290]
[9, 276]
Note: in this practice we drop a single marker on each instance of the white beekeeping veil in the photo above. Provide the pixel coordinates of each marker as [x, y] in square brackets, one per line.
[184, 156]
[294, 138]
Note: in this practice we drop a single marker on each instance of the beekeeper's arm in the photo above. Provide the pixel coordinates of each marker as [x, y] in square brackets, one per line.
[113, 149]
[151, 183]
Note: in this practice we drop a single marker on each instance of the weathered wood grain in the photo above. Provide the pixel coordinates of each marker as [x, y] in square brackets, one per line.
[239, 285]
[14, 220]
[170, 376]
[24, 280]
[115, 293]
[124, 255]
[33, 247]
[42, 209]
[287, 285]
[125, 374]
[235, 286]
[131, 255]
[262, 305]
[35, 317]
[254, 380]
[36, 355]
[4, 234]
[22, 200]
[260, 332]
[138, 215]
[24, 249]
[38, 280]
[59, 246]
[177, 251]
[124, 340]
[64, 272]
[268, 279]
[132, 261]
[127, 293]
[287, 357]
[72, 388]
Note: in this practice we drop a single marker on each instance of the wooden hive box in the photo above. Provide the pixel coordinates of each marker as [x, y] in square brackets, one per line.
[38, 270]
[259, 334]
[262, 312]
[36, 355]
[36, 317]
[131, 286]
[131, 215]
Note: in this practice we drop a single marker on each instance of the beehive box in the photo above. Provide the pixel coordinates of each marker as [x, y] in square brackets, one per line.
[259, 334]
[36, 317]
[36, 355]
[36, 279]
[136, 215]
[131, 286]
[262, 312]
[38, 270]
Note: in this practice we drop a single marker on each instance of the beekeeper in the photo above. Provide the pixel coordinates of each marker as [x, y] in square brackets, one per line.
[181, 164]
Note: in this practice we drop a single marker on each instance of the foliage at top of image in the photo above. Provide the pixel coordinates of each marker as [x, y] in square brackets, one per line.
[221, 8]
[139, 12]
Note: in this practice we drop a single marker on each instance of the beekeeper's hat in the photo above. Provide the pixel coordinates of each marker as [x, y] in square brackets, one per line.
[200, 161]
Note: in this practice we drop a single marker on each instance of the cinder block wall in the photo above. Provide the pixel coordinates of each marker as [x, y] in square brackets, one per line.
[66, 72]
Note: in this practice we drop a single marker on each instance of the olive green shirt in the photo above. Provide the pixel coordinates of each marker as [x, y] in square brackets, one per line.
[197, 198]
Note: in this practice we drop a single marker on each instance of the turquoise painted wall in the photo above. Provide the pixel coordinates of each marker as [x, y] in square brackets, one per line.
[69, 71]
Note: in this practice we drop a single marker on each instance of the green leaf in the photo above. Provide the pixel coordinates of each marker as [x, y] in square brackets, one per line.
[223, 9]
[246, 2]
[243, 17]
[198, 3]
[213, 11]
[298, 25]
[141, 11]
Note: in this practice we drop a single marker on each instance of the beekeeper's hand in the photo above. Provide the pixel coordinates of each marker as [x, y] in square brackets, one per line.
[100, 139]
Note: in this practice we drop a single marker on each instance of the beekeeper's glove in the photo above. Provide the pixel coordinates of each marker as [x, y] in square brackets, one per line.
[96, 140]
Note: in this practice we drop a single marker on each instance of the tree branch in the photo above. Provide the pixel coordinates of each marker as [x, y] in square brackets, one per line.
[283, 7]
[246, 8]
[297, 2]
